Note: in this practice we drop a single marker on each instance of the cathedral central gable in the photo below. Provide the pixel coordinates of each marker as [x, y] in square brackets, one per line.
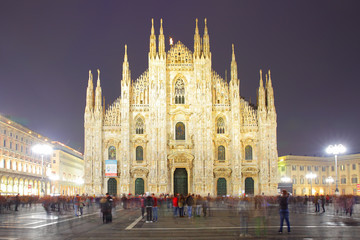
[179, 57]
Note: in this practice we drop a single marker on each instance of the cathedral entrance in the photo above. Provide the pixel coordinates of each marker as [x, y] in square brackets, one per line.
[139, 186]
[112, 186]
[221, 187]
[180, 181]
[249, 186]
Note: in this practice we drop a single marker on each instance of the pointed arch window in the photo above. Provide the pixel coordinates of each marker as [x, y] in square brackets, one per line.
[112, 153]
[221, 153]
[179, 92]
[139, 126]
[248, 153]
[220, 126]
[139, 153]
[180, 131]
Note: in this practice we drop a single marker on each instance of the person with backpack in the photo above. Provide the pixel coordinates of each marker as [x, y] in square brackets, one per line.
[284, 210]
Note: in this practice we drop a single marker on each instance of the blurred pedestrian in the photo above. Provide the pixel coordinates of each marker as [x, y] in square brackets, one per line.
[17, 201]
[190, 203]
[149, 202]
[323, 201]
[284, 210]
[175, 205]
[155, 208]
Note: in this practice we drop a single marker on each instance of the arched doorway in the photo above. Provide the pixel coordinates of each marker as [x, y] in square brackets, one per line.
[249, 186]
[180, 181]
[139, 186]
[221, 187]
[112, 186]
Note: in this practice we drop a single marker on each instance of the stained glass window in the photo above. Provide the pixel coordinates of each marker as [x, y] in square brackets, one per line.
[180, 131]
[112, 153]
[220, 126]
[248, 153]
[139, 153]
[139, 126]
[179, 92]
[221, 153]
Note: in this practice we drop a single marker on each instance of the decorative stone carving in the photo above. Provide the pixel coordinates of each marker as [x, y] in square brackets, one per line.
[222, 172]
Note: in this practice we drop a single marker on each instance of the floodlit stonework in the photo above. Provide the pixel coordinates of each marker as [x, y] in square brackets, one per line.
[180, 127]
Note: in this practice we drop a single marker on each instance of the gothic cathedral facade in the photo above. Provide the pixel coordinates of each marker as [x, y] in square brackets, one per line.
[180, 128]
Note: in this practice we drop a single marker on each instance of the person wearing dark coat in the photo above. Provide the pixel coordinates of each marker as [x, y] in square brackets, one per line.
[284, 210]
[149, 202]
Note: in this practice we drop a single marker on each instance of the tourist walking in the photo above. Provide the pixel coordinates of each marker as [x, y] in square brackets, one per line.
[284, 210]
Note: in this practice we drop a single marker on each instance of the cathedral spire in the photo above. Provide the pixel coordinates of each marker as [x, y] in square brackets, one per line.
[152, 52]
[197, 44]
[234, 73]
[261, 94]
[161, 40]
[98, 104]
[270, 94]
[206, 42]
[90, 93]
[126, 70]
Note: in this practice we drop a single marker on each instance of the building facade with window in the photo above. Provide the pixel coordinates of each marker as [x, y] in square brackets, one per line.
[180, 127]
[21, 170]
[67, 170]
[297, 167]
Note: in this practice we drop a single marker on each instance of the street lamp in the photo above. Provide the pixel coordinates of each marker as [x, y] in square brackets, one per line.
[42, 149]
[311, 176]
[285, 179]
[335, 150]
[329, 180]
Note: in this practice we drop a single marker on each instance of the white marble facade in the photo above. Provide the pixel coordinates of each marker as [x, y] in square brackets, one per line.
[181, 114]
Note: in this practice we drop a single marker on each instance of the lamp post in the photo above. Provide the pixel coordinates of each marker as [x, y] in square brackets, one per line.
[311, 176]
[285, 179]
[335, 150]
[42, 149]
[329, 180]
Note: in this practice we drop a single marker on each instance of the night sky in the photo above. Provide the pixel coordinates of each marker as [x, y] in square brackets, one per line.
[311, 47]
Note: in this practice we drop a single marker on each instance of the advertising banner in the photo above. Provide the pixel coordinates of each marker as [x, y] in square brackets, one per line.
[110, 168]
[358, 187]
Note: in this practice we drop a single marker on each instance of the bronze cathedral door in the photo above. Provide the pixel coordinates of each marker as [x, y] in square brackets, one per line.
[180, 181]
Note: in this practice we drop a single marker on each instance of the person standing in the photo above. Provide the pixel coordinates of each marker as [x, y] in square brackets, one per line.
[175, 205]
[76, 204]
[181, 205]
[284, 210]
[142, 202]
[17, 201]
[190, 203]
[149, 202]
[109, 205]
[323, 201]
[155, 208]
[316, 202]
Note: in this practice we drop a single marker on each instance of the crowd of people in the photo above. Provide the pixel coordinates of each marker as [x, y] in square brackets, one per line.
[258, 207]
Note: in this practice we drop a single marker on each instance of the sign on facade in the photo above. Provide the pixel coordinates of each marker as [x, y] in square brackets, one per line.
[110, 168]
[358, 187]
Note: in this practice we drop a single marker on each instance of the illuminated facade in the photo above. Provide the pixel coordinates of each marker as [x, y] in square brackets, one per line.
[67, 170]
[20, 168]
[180, 127]
[296, 167]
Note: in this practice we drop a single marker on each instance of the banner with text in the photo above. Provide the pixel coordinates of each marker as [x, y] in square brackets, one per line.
[110, 168]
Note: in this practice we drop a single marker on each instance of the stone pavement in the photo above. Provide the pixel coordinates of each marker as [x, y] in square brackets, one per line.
[222, 223]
